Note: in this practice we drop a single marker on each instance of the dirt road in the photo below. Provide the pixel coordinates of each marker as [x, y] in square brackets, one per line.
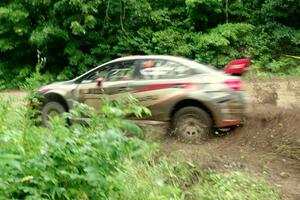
[268, 145]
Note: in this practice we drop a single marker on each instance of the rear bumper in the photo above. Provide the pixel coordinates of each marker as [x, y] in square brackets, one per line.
[227, 123]
[230, 112]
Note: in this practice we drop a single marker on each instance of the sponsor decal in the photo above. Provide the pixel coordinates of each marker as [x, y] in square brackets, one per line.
[164, 86]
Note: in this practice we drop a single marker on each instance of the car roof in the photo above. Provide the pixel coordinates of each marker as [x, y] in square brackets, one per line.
[181, 60]
[166, 57]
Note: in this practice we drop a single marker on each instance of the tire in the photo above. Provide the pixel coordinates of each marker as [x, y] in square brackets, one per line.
[192, 125]
[51, 109]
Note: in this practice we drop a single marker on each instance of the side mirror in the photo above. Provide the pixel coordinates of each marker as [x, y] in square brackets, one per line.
[237, 67]
[99, 81]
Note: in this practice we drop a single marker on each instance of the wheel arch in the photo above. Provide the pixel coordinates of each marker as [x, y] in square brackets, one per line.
[56, 98]
[191, 102]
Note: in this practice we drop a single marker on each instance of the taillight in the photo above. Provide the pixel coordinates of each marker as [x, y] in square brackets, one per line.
[234, 84]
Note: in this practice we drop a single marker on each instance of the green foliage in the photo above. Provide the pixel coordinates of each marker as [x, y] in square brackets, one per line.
[96, 160]
[230, 186]
[75, 35]
[175, 179]
[36, 79]
[286, 12]
[76, 162]
[223, 43]
[204, 11]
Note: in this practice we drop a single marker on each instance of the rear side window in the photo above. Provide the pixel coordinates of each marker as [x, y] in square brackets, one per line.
[163, 69]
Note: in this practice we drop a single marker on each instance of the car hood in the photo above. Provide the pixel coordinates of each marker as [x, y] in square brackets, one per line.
[60, 83]
[54, 85]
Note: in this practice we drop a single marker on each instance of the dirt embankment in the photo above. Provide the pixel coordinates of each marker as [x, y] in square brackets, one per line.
[268, 145]
[280, 92]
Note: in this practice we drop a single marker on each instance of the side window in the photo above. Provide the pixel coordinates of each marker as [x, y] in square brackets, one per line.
[163, 69]
[114, 72]
[101, 72]
[121, 71]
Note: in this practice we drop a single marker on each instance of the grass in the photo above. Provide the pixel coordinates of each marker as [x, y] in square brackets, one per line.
[233, 185]
[173, 179]
[95, 162]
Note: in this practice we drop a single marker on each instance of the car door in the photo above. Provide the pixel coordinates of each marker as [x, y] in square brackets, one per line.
[160, 80]
[116, 77]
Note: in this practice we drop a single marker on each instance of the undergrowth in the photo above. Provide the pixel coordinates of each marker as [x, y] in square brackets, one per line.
[95, 160]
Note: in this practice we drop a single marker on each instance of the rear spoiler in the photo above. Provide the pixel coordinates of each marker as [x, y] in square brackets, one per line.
[237, 67]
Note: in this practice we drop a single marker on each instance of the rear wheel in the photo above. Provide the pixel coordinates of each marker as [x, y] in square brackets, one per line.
[192, 124]
[50, 110]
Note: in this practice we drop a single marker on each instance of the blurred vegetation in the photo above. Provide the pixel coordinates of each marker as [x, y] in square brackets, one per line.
[75, 35]
[96, 160]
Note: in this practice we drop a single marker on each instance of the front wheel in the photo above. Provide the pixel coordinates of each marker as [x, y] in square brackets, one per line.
[192, 124]
[50, 110]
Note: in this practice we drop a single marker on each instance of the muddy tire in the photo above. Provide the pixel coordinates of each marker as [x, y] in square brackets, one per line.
[192, 125]
[51, 109]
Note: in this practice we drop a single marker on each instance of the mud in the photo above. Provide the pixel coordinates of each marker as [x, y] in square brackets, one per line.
[267, 146]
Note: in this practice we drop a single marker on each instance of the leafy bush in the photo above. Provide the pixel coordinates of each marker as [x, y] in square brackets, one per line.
[36, 79]
[65, 163]
[75, 36]
[96, 160]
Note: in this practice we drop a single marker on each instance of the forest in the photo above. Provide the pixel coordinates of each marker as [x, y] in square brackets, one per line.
[110, 157]
[76, 35]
